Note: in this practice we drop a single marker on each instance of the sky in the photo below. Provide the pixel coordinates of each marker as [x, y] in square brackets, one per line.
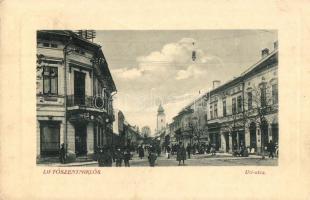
[151, 67]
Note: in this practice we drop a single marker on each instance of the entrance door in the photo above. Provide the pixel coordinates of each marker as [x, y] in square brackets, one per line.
[234, 140]
[215, 140]
[253, 136]
[49, 138]
[275, 133]
[80, 140]
[226, 135]
[79, 88]
[241, 138]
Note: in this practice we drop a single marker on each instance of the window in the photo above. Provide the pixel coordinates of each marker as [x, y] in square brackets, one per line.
[211, 112]
[224, 108]
[250, 100]
[234, 108]
[215, 110]
[263, 95]
[239, 101]
[49, 138]
[50, 80]
[275, 94]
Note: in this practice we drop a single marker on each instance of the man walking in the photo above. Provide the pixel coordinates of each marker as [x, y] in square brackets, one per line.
[127, 157]
[168, 149]
[62, 154]
[119, 156]
[141, 152]
[188, 149]
[271, 149]
[181, 154]
[152, 157]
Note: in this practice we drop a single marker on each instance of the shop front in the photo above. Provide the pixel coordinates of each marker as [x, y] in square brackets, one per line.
[214, 135]
[49, 138]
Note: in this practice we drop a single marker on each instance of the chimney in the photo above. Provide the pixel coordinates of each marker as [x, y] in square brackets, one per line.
[216, 83]
[275, 45]
[265, 52]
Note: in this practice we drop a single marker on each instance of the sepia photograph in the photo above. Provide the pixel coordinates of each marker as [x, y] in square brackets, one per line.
[140, 98]
[154, 100]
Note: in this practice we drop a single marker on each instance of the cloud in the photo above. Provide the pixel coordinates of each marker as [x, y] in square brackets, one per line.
[126, 73]
[174, 59]
[168, 75]
[193, 71]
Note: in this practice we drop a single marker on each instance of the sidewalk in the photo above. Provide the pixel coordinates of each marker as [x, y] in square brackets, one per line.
[74, 164]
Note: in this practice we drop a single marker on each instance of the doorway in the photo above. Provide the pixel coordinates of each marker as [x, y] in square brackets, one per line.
[275, 133]
[215, 140]
[80, 139]
[253, 144]
[241, 138]
[79, 88]
[234, 141]
[226, 136]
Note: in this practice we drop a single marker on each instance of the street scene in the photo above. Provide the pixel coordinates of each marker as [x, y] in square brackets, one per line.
[157, 98]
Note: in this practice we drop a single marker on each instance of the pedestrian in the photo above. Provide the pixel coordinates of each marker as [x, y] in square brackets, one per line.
[127, 157]
[271, 149]
[181, 154]
[152, 157]
[141, 152]
[62, 154]
[188, 149]
[208, 150]
[168, 149]
[119, 156]
[276, 150]
[100, 157]
[107, 157]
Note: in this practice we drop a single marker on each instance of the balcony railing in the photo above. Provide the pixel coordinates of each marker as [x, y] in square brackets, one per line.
[89, 102]
[86, 101]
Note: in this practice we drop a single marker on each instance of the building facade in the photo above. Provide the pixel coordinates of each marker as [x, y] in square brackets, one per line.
[74, 95]
[241, 112]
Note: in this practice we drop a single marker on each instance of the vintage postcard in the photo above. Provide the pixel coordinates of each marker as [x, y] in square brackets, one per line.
[154, 100]
[176, 98]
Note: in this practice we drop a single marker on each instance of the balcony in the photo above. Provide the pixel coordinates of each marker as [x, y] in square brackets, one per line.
[90, 103]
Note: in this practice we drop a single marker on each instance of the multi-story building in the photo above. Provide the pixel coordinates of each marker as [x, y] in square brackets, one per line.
[74, 95]
[243, 111]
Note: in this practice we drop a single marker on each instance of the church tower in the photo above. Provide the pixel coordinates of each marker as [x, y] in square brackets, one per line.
[161, 119]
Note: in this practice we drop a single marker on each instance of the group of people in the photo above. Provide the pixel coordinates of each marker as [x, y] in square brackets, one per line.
[272, 148]
[106, 157]
[197, 148]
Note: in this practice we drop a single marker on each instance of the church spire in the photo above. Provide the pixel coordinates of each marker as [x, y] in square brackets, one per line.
[160, 109]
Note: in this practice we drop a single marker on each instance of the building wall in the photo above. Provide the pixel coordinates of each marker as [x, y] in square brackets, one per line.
[232, 90]
[90, 138]
[51, 107]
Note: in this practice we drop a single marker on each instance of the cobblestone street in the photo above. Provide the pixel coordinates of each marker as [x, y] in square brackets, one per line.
[207, 160]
